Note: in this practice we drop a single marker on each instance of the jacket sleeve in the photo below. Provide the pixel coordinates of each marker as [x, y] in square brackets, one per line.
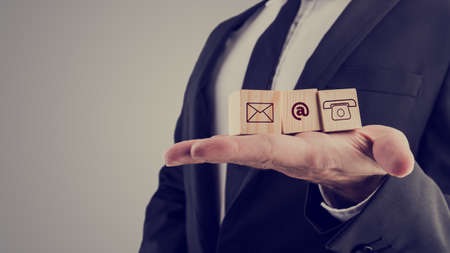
[410, 214]
[164, 226]
[434, 155]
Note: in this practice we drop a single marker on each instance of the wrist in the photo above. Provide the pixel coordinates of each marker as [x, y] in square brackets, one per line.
[344, 195]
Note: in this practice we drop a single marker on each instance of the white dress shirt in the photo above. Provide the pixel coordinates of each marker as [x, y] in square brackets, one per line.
[313, 20]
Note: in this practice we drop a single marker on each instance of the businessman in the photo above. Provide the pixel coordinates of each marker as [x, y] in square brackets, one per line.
[382, 188]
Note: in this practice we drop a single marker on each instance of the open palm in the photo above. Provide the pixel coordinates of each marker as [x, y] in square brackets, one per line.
[349, 163]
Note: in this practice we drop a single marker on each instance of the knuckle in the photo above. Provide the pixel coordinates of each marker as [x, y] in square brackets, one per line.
[267, 153]
[314, 161]
[320, 161]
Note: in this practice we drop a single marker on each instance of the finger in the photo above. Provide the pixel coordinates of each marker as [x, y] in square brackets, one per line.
[180, 153]
[390, 149]
[258, 151]
[231, 149]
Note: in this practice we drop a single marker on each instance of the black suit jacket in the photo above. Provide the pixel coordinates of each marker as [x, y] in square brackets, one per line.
[396, 53]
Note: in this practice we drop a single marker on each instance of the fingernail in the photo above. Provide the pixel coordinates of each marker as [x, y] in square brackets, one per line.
[172, 163]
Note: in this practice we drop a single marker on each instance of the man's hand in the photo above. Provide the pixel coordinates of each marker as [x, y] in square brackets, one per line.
[350, 164]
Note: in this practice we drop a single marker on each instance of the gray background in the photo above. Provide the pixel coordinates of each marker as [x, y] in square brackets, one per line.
[89, 94]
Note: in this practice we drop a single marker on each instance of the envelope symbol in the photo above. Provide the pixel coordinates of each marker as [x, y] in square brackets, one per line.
[260, 112]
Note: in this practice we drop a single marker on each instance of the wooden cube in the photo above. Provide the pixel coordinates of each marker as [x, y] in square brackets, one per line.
[254, 111]
[339, 110]
[300, 111]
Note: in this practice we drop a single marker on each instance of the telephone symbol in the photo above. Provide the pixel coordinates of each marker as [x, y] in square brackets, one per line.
[340, 108]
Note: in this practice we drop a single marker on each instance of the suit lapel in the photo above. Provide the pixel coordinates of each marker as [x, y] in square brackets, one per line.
[349, 30]
[200, 178]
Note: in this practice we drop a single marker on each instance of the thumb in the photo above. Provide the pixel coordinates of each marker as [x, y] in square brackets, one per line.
[390, 149]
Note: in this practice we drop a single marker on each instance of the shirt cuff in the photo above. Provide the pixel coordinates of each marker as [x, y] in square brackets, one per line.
[344, 214]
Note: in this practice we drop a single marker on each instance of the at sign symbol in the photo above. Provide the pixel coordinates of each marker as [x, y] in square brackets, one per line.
[300, 110]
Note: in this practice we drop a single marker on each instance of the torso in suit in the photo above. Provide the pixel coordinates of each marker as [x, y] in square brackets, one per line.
[396, 53]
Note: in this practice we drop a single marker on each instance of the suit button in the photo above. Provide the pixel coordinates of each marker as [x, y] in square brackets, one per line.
[363, 249]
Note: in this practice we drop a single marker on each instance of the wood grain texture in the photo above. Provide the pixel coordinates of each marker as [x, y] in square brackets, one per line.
[300, 111]
[339, 110]
[254, 111]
